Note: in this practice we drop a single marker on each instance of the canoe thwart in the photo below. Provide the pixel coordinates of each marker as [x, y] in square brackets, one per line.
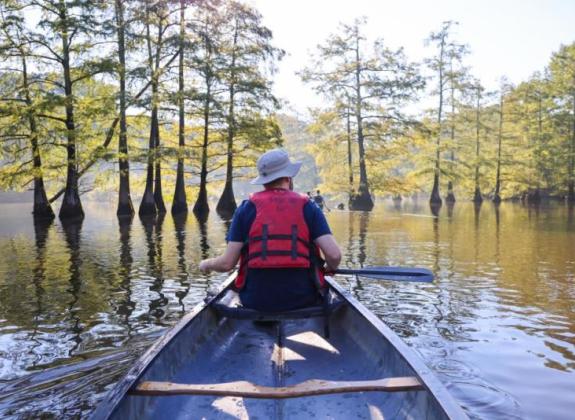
[229, 306]
[304, 389]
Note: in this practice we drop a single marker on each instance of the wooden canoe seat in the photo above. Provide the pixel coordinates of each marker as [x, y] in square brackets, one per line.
[229, 305]
[305, 389]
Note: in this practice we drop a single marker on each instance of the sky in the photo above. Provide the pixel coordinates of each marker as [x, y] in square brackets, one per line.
[512, 38]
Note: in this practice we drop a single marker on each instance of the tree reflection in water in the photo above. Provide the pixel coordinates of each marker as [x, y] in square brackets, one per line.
[126, 306]
[90, 297]
[72, 229]
[180, 232]
[42, 227]
[153, 232]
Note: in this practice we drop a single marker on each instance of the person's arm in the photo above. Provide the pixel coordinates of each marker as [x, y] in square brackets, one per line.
[330, 250]
[225, 262]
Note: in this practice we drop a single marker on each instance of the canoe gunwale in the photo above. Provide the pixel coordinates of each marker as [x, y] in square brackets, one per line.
[430, 382]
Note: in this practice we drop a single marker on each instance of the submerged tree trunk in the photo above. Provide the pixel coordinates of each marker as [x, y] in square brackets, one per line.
[477, 198]
[571, 183]
[201, 207]
[125, 206]
[42, 208]
[435, 199]
[71, 205]
[148, 203]
[496, 195]
[349, 155]
[180, 204]
[450, 197]
[363, 200]
[158, 198]
[227, 202]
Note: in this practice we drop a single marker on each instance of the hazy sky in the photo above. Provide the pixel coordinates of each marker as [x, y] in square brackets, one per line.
[507, 37]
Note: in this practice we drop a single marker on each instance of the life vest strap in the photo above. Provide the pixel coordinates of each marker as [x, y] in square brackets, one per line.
[293, 242]
[276, 253]
[279, 237]
[265, 238]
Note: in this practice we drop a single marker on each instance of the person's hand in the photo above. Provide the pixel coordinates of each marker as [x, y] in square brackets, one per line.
[205, 266]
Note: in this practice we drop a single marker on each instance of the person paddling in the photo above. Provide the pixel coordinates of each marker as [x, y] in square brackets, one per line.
[277, 235]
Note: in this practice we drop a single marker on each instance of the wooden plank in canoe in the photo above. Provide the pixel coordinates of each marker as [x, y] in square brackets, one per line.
[304, 389]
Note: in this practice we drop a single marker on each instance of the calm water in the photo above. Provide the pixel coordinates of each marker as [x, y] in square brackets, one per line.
[79, 303]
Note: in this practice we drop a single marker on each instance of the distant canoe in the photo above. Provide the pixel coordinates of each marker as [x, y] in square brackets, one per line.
[217, 363]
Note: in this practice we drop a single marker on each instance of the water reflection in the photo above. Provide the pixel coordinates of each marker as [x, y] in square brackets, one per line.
[180, 231]
[91, 297]
[41, 230]
[126, 305]
[153, 232]
[72, 230]
[204, 244]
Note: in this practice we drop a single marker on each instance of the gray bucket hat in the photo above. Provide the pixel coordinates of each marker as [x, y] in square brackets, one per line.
[275, 164]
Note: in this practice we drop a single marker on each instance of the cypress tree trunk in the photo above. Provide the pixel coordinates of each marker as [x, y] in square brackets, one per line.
[42, 208]
[180, 204]
[496, 195]
[450, 197]
[201, 207]
[125, 206]
[477, 198]
[363, 200]
[571, 184]
[158, 198]
[349, 155]
[227, 202]
[71, 205]
[148, 203]
[435, 199]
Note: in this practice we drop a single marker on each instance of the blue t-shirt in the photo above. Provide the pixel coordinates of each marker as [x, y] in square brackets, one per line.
[277, 289]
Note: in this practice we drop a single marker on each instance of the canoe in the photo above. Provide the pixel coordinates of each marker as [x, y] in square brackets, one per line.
[337, 361]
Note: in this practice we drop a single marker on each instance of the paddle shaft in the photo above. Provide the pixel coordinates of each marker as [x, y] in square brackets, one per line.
[390, 273]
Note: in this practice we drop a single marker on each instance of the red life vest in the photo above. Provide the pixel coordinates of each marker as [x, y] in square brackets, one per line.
[279, 236]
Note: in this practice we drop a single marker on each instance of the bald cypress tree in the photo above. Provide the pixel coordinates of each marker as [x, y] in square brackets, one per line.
[246, 50]
[376, 83]
[20, 103]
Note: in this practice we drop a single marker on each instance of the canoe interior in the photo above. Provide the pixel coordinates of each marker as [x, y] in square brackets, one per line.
[212, 349]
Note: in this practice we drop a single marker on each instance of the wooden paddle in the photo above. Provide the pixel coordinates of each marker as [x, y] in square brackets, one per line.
[390, 273]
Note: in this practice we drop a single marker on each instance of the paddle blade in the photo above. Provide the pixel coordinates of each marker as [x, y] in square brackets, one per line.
[391, 273]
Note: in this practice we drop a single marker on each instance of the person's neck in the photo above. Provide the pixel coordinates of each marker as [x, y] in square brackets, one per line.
[282, 186]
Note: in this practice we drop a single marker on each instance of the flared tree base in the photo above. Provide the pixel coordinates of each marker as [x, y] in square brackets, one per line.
[147, 205]
[125, 209]
[361, 202]
[227, 203]
[201, 209]
[477, 197]
[160, 205]
[179, 207]
[43, 211]
[497, 199]
[71, 207]
[571, 193]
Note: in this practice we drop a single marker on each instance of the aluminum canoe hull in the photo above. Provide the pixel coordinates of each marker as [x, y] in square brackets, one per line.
[206, 348]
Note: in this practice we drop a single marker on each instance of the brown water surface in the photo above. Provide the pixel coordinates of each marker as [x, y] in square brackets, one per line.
[80, 302]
